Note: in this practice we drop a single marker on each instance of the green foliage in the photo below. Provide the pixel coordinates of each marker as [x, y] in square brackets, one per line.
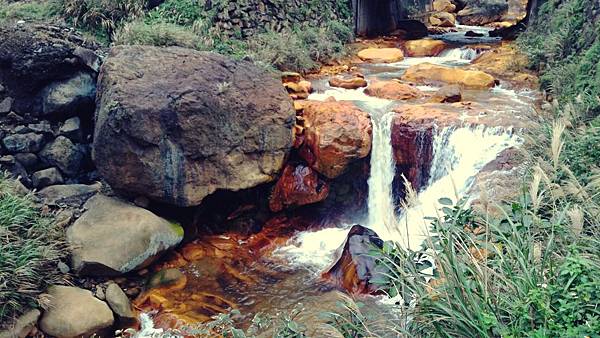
[30, 248]
[180, 12]
[102, 17]
[563, 44]
[29, 10]
[158, 34]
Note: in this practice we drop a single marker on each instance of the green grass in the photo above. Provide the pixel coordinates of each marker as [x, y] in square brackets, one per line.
[30, 248]
[29, 10]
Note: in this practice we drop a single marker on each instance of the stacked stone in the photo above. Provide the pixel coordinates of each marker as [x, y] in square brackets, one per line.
[46, 107]
[246, 17]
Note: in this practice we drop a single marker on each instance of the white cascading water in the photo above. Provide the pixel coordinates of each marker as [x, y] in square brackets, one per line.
[382, 214]
[458, 155]
[464, 53]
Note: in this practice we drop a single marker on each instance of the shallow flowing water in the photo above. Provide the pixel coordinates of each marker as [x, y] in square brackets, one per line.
[290, 274]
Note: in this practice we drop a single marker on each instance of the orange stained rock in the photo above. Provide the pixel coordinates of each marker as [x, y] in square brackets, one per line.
[392, 90]
[433, 74]
[424, 47]
[381, 55]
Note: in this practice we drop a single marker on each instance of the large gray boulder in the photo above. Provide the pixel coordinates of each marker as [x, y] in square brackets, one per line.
[74, 312]
[113, 237]
[175, 124]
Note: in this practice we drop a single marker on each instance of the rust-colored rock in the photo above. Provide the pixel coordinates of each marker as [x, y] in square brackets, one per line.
[351, 83]
[335, 134]
[435, 74]
[354, 268]
[424, 47]
[447, 94]
[412, 144]
[298, 185]
[392, 90]
[381, 55]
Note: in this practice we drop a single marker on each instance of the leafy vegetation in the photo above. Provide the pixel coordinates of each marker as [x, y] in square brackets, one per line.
[563, 43]
[29, 11]
[30, 248]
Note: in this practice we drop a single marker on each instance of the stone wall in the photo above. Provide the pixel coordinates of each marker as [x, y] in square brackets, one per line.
[244, 18]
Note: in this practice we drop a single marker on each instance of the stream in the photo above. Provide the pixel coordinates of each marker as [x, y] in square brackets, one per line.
[290, 274]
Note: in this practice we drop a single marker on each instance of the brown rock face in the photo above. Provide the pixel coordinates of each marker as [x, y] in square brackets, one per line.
[447, 94]
[413, 151]
[381, 55]
[354, 268]
[392, 90]
[424, 47]
[335, 134]
[298, 185]
[430, 73]
[443, 6]
[208, 123]
[351, 83]
[442, 19]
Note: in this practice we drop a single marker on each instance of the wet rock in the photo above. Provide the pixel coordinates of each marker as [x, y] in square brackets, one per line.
[381, 55]
[354, 267]
[68, 97]
[392, 90]
[74, 312]
[412, 144]
[68, 195]
[118, 302]
[298, 185]
[447, 94]
[177, 137]
[72, 129]
[434, 74]
[165, 278]
[335, 134]
[113, 237]
[5, 105]
[46, 177]
[299, 90]
[65, 155]
[23, 143]
[473, 34]
[348, 83]
[444, 6]
[424, 47]
[23, 326]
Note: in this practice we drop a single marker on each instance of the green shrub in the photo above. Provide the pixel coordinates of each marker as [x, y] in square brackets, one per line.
[29, 10]
[158, 34]
[181, 12]
[30, 248]
[102, 17]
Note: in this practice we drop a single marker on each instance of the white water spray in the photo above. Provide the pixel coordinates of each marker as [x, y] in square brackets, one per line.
[382, 214]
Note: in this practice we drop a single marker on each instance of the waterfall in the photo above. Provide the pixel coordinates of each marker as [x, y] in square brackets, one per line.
[459, 153]
[463, 53]
[382, 215]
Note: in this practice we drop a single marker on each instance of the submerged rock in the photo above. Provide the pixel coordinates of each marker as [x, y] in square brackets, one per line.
[335, 134]
[392, 90]
[209, 123]
[74, 312]
[447, 94]
[354, 268]
[298, 185]
[381, 55]
[430, 73]
[113, 237]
